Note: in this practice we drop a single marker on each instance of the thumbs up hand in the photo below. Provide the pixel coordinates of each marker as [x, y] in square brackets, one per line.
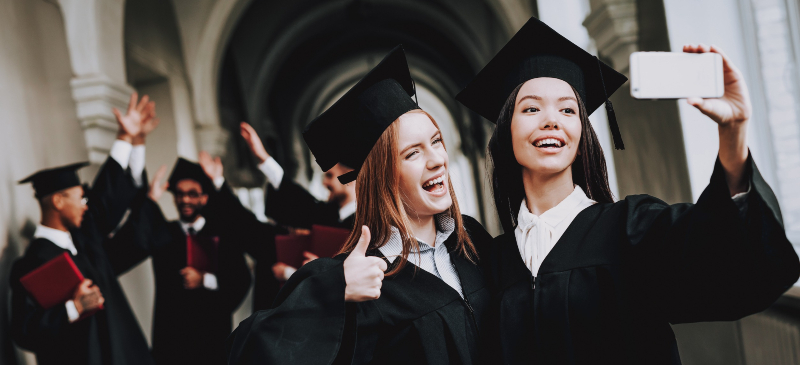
[363, 275]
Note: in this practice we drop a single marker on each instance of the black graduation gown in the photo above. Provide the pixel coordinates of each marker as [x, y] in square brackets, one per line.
[292, 205]
[190, 326]
[110, 336]
[254, 237]
[622, 272]
[418, 319]
[223, 208]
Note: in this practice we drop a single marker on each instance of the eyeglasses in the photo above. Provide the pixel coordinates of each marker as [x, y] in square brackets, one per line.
[85, 201]
[189, 194]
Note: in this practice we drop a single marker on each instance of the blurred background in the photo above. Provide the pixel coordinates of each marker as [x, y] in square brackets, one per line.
[210, 64]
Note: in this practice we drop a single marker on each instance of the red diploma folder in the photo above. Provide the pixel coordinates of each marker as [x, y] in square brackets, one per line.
[327, 241]
[54, 282]
[290, 247]
[323, 241]
[201, 253]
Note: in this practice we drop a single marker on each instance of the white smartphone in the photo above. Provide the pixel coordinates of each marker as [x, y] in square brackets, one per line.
[676, 75]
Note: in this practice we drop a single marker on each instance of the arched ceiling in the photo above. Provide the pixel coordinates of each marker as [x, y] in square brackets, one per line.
[283, 56]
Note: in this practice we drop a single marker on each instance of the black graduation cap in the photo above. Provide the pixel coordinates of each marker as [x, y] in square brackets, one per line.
[185, 169]
[46, 182]
[539, 51]
[347, 131]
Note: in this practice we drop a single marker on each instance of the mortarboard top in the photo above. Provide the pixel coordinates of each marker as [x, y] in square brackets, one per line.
[185, 169]
[539, 51]
[347, 131]
[46, 182]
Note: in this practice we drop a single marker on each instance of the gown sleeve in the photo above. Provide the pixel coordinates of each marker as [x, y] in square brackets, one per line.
[306, 324]
[294, 206]
[252, 236]
[710, 261]
[144, 231]
[233, 279]
[110, 197]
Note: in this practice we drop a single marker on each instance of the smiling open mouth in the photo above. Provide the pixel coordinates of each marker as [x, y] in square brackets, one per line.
[434, 185]
[549, 143]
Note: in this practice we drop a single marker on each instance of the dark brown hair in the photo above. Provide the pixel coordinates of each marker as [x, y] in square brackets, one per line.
[588, 169]
[381, 206]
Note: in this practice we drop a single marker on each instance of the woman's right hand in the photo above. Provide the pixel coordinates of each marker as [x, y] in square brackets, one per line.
[363, 275]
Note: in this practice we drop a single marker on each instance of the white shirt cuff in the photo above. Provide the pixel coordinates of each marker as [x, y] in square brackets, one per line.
[273, 171]
[210, 281]
[287, 272]
[137, 164]
[740, 200]
[218, 182]
[121, 152]
[72, 311]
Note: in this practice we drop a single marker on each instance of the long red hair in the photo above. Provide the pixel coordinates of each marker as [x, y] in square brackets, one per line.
[381, 206]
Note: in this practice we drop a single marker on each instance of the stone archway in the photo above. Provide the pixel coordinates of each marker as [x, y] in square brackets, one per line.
[283, 59]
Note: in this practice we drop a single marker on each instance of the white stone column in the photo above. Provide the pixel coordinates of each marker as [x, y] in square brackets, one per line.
[205, 28]
[779, 72]
[94, 31]
[654, 159]
[614, 27]
[94, 97]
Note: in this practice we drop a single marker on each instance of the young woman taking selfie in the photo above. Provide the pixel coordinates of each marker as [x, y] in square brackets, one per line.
[578, 278]
[406, 288]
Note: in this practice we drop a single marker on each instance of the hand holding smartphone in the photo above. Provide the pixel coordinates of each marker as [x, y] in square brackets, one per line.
[676, 75]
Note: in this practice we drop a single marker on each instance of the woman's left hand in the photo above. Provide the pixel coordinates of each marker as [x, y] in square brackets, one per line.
[731, 112]
[733, 109]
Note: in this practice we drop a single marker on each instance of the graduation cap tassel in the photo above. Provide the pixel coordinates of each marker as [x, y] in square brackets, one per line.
[612, 122]
[414, 85]
[612, 116]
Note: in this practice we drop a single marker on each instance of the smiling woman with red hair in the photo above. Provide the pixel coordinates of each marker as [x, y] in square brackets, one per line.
[406, 287]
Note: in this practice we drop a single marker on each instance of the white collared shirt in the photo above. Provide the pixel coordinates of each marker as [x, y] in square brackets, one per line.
[536, 236]
[436, 259]
[347, 210]
[209, 279]
[198, 225]
[58, 237]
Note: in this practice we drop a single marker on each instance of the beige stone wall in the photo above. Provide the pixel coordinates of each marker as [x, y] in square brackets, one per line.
[38, 123]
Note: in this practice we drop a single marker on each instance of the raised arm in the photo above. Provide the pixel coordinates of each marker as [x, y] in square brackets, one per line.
[731, 112]
[114, 190]
[710, 261]
[144, 231]
[287, 202]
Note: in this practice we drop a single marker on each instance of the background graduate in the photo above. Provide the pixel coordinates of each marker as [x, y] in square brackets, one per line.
[194, 305]
[71, 224]
[291, 205]
[580, 279]
[429, 306]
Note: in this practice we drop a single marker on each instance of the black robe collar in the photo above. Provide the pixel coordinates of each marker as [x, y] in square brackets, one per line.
[416, 284]
[565, 255]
